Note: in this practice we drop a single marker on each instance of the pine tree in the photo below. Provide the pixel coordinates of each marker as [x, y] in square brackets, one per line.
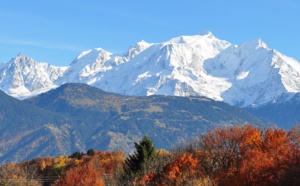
[76, 155]
[134, 164]
[91, 152]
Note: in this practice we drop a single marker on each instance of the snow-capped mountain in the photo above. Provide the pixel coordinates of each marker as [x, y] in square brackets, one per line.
[89, 66]
[23, 77]
[174, 67]
[247, 75]
[256, 74]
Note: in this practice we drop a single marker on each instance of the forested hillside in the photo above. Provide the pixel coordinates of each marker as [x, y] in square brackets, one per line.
[80, 117]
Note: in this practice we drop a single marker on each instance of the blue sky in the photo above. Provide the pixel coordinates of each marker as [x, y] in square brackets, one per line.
[57, 31]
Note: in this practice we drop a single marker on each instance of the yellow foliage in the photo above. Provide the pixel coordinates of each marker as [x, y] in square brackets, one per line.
[77, 162]
[162, 152]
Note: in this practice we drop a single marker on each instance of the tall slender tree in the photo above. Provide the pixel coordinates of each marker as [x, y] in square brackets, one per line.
[144, 151]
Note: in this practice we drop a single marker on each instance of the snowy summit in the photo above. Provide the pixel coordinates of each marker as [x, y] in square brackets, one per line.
[251, 74]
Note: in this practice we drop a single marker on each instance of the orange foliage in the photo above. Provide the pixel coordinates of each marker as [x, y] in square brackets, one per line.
[107, 162]
[221, 149]
[146, 179]
[264, 157]
[239, 155]
[81, 176]
[89, 170]
[252, 139]
[183, 168]
[162, 152]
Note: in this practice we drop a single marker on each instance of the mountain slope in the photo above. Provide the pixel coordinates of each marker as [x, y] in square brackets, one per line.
[285, 113]
[27, 131]
[109, 121]
[257, 74]
[23, 77]
[80, 117]
[170, 68]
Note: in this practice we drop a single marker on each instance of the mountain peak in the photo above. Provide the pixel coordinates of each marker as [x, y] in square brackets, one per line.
[207, 34]
[142, 42]
[258, 43]
[84, 53]
[205, 38]
[90, 56]
[244, 75]
[21, 59]
[261, 44]
[20, 55]
[137, 48]
[254, 45]
[140, 46]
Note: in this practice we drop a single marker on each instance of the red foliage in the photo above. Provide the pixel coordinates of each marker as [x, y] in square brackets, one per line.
[146, 179]
[90, 169]
[81, 176]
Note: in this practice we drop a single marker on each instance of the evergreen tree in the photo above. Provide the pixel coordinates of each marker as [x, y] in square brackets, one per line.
[91, 152]
[144, 151]
[76, 155]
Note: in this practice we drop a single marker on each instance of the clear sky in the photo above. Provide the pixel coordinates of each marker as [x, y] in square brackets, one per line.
[56, 31]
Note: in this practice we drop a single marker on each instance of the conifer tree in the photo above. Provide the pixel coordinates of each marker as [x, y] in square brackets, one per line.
[144, 151]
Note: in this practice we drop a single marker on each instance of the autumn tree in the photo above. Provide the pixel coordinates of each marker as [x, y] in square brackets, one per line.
[109, 164]
[81, 176]
[238, 155]
[265, 156]
[181, 171]
[16, 174]
[219, 150]
[155, 168]
[292, 174]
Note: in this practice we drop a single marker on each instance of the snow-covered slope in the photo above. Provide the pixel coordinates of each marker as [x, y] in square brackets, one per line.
[256, 73]
[89, 65]
[174, 67]
[22, 76]
[247, 75]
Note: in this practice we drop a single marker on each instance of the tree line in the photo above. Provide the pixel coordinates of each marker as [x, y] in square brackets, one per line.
[238, 155]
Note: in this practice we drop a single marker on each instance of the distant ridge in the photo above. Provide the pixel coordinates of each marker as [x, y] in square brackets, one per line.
[284, 113]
